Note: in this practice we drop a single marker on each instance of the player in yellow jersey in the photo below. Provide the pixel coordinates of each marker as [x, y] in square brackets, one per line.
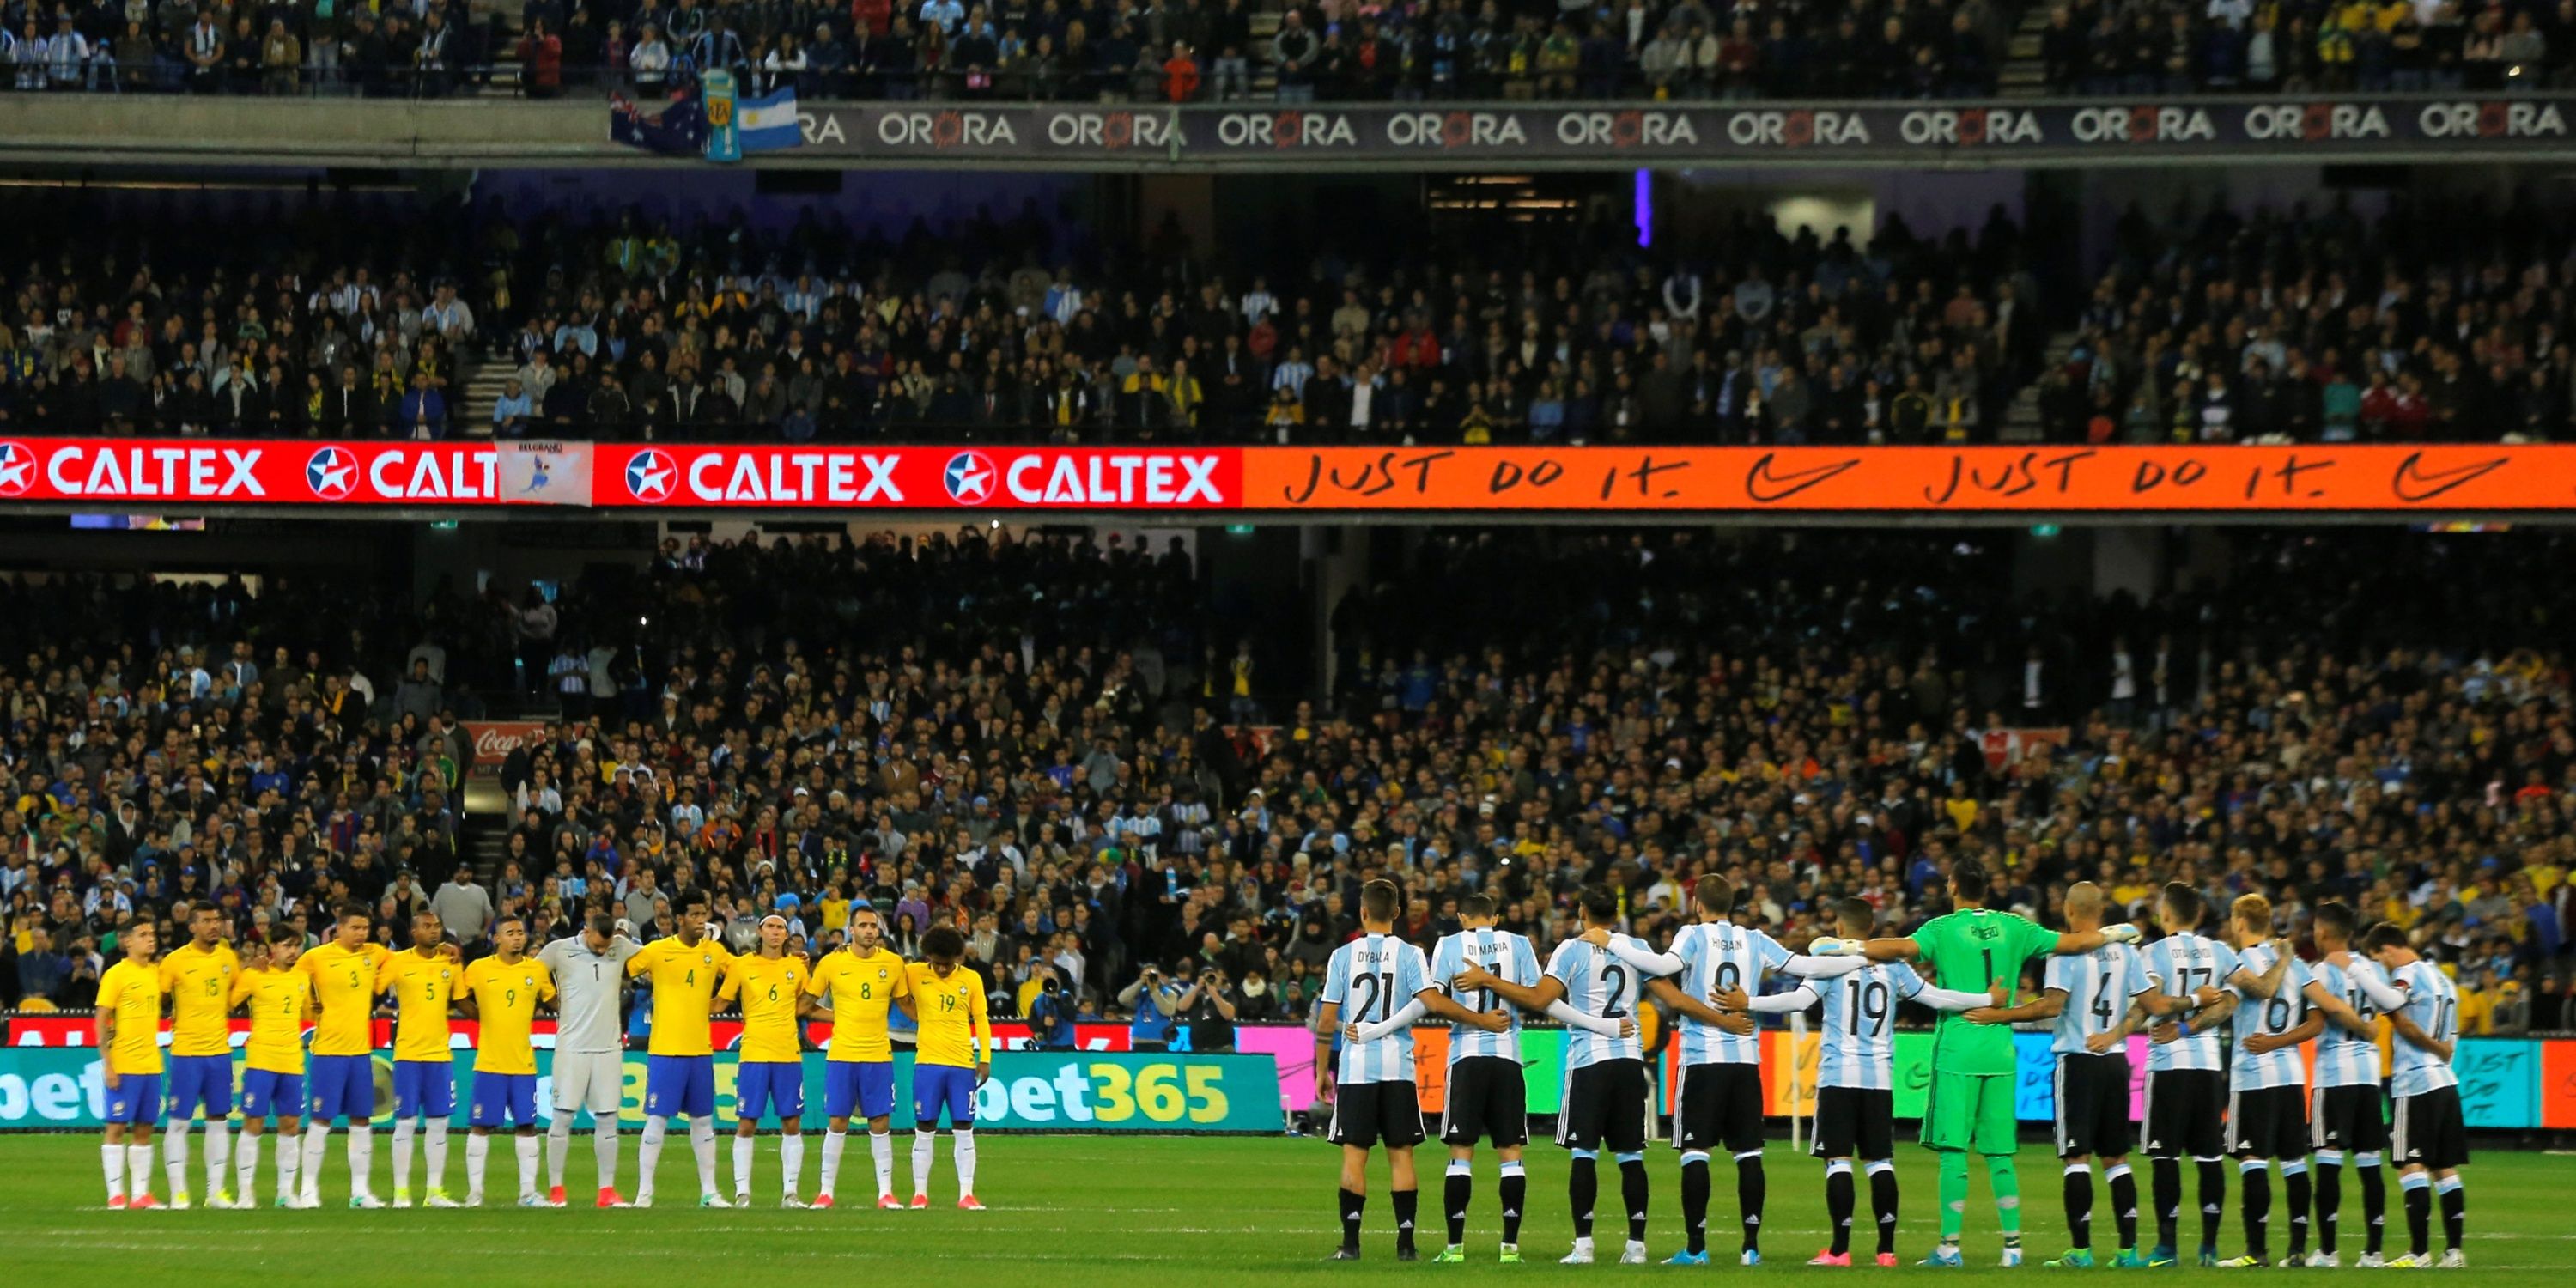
[861, 981]
[425, 981]
[343, 1076]
[129, 1038]
[680, 1065]
[277, 998]
[198, 975]
[504, 990]
[769, 984]
[954, 1056]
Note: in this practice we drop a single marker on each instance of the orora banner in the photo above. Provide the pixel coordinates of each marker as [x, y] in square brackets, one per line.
[53, 1088]
[640, 479]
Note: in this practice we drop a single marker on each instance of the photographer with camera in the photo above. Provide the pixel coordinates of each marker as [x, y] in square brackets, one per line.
[1051, 1011]
[1211, 1006]
[1153, 1000]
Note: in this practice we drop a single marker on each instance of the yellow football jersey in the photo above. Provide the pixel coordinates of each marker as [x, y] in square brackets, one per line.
[505, 1000]
[200, 984]
[424, 988]
[952, 1013]
[344, 990]
[768, 990]
[133, 994]
[861, 989]
[684, 988]
[278, 1000]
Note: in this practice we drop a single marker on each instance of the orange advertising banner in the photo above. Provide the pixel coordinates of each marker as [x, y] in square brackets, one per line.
[2558, 1084]
[2301, 478]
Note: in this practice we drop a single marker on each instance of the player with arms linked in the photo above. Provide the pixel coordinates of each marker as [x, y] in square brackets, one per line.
[1486, 1096]
[1971, 950]
[1605, 1077]
[278, 998]
[503, 991]
[2347, 1114]
[1720, 1101]
[2088, 1002]
[952, 1059]
[2184, 1085]
[199, 975]
[680, 1063]
[2430, 1137]
[343, 1076]
[1855, 1074]
[861, 982]
[1373, 1094]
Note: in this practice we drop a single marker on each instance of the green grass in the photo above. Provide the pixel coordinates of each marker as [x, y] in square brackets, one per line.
[1148, 1212]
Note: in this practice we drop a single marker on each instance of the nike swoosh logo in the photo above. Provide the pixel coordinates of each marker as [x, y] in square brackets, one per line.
[1789, 484]
[2411, 471]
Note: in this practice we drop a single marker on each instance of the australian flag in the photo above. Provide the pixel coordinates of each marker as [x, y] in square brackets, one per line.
[678, 129]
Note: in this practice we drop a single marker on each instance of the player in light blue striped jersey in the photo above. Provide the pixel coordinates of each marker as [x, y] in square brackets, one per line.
[1375, 1100]
[1720, 1101]
[2184, 1081]
[2347, 1113]
[2429, 1136]
[1855, 1074]
[2267, 1108]
[1484, 1095]
[2090, 1002]
[1604, 1101]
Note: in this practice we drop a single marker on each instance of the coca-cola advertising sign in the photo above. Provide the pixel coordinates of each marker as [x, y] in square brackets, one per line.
[494, 740]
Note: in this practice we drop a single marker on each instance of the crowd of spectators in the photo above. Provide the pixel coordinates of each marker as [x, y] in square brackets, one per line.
[2431, 318]
[2314, 46]
[1032, 739]
[622, 328]
[2442, 321]
[1113, 50]
[1240, 50]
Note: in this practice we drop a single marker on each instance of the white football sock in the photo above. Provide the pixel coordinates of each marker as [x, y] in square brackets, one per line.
[174, 1156]
[833, 1143]
[742, 1154]
[526, 1148]
[317, 1142]
[603, 1151]
[478, 1149]
[246, 1171]
[881, 1145]
[362, 1159]
[437, 1154]
[290, 1152]
[922, 1143]
[655, 1129]
[558, 1145]
[702, 1142]
[405, 1132]
[219, 1152]
[962, 1148]
[138, 1170]
[791, 1159]
[111, 1159]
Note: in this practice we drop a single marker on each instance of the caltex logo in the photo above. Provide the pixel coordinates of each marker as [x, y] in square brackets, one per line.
[331, 473]
[650, 474]
[969, 478]
[17, 468]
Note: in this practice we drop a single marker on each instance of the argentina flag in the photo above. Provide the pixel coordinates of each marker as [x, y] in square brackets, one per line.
[769, 124]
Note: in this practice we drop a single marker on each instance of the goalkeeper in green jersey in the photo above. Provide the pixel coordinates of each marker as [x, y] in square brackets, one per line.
[1971, 1103]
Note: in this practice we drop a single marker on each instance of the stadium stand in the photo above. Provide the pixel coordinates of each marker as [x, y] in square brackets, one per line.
[1053, 745]
[2213, 324]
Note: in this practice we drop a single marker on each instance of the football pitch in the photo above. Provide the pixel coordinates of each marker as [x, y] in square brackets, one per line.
[1153, 1211]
